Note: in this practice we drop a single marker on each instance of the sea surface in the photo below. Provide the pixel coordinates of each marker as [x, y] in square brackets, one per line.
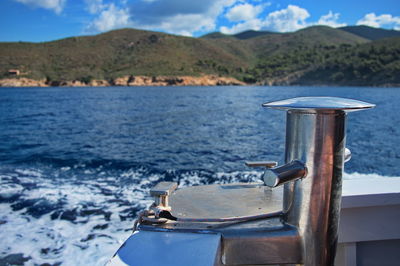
[76, 164]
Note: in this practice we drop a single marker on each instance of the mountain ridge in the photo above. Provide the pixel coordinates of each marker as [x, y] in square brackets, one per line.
[371, 33]
[306, 56]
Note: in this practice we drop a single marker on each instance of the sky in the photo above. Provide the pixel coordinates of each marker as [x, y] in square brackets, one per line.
[45, 20]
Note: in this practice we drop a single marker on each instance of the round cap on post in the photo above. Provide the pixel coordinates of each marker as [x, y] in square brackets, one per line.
[319, 104]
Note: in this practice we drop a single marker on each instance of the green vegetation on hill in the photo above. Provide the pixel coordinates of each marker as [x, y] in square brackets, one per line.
[376, 63]
[315, 55]
[117, 53]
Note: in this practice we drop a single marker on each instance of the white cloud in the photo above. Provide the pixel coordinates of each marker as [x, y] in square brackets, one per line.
[244, 12]
[173, 16]
[111, 17]
[331, 19]
[56, 5]
[291, 18]
[185, 17]
[288, 19]
[246, 15]
[178, 16]
[95, 6]
[378, 21]
[192, 23]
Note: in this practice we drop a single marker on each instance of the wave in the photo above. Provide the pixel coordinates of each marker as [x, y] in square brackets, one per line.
[78, 214]
[356, 175]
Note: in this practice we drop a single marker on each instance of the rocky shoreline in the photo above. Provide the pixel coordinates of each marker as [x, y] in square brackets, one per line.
[206, 80]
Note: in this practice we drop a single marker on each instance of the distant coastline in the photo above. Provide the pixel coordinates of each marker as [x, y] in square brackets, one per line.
[205, 80]
[314, 56]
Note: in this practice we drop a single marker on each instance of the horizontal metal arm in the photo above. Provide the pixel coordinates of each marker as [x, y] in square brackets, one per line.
[285, 173]
[267, 164]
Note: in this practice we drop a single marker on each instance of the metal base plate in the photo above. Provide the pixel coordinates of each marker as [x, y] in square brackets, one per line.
[256, 242]
[222, 201]
[231, 200]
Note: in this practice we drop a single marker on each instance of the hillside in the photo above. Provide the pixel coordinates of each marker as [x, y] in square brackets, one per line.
[315, 55]
[117, 53]
[374, 63]
[369, 64]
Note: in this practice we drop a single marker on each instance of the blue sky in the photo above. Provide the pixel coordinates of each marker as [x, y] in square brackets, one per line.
[44, 20]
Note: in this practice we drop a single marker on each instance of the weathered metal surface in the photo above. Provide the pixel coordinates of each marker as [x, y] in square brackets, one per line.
[219, 201]
[215, 201]
[252, 242]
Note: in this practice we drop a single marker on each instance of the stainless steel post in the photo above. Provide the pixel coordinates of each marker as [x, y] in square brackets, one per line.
[313, 203]
[316, 137]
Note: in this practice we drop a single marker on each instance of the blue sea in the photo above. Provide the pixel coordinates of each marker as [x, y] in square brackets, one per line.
[76, 164]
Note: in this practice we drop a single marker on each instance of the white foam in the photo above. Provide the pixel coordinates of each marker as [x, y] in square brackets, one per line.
[61, 239]
[356, 175]
[51, 241]
[29, 172]
[7, 191]
[77, 242]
